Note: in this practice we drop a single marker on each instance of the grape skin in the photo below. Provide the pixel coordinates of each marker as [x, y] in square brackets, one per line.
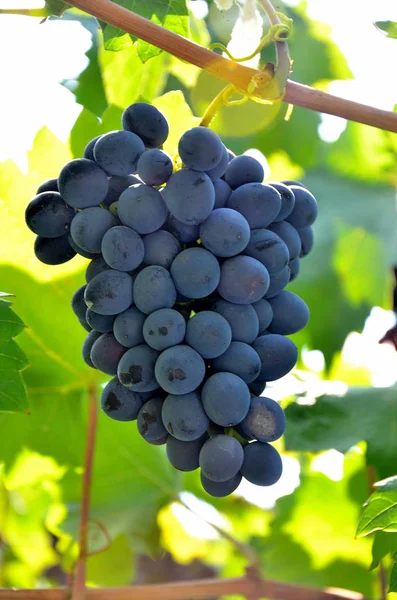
[243, 280]
[164, 328]
[179, 370]
[225, 233]
[305, 210]
[122, 248]
[106, 353]
[307, 240]
[149, 422]
[87, 346]
[82, 183]
[80, 251]
[278, 355]
[120, 404]
[240, 359]
[117, 152]
[294, 268]
[257, 387]
[220, 489]
[242, 318]
[79, 306]
[221, 458]
[264, 313]
[226, 399]
[161, 248]
[290, 313]
[287, 200]
[183, 232]
[48, 215]
[128, 326]
[290, 237]
[109, 293]
[278, 281]
[154, 289]
[243, 169]
[216, 172]
[89, 149]
[208, 333]
[155, 167]
[53, 251]
[267, 247]
[184, 417]
[142, 208]
[189, 196]
[222, 193]
[265, 420]
[262, 464]
[117, 185]
[147, 122]
[184, 456]
[96, 266]
[259, 203]
[101, 323]
[50, 185]
[136, 369]
[196, 273]
[200, 149]
[89, 226]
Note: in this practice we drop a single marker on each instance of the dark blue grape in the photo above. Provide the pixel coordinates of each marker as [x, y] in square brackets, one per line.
[222, 193]
[305, 210]
[80, 251]
[290, 313]
[109, 293]
[226, 399]
[106, 353]
[278, 281]
[262, 464]
[82, 183]
[264, 313]
[50, 185]
[242, 319]
[117, 185]
[128, 327]
[220, 489]
[189, 196]
[89, 226]
[243, 169]
[184, 456]
[259, 203]
[213, 429]
[136, 369]
[117, 152]
[278, 356]
[149, 422]
[154, 289]
[265, 420]
[289, 182]
[196, 273]
[142, 208]
[122, 248]
[85, 325]
[119, 403]
[87, 346]
[221, 458]
[287, 200]
[225, 232]
[179, 370]
[216, 172]
[53, 251]
[89, 149]
[290, 237]
[96, 266]
[79, 306]
[200, 149]
[184, 416]
[257, 387]
[160, 442]
[146, 121]
[294, 267]
[48, 215]
[183, 232]
[267, 247]
[208, 333]
[161, 247]
[240, 359]
[155, 166]
[307, 240]
[102, 323]
[244, 280]
[164, 328]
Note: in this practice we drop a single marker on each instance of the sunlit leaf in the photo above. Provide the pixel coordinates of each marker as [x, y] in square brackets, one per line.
[380, 512]
[389, 28]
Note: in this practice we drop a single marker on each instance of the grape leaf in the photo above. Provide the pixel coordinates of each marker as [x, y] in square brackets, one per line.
[389, 28]
[384, 543]
[380, 512]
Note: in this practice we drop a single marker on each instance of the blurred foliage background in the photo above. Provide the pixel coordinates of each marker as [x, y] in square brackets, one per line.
[341, 400]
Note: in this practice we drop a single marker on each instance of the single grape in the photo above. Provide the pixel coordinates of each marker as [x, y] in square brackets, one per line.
[89, 149]
[267, 247]
[96, 266]
[184, 416]
[87, 346]
[208, 333]
[122, 248]
[136, 369]
[290, 237]
[160, 442]
[184, 456]
[179, 370]
[155, 166]
[200, 148]
[189, 196]
[278, 356]
[240, 359]
[222, 193]
[221, 458]
[79, 306]
[305, 210]
[50, 185]
[48, 215]
[149, 422]
[82, 183]
[119, 403]
[128, 327]
[226, 399]
[290, 313]
[243, 280]
[242, 319]
[117, 185]
[262, 464]
[53, 251]
[183, 232]
[294, 267]
[102, 323]
[196, 273]
[264, 313]
[117, 152]
[220, 489]
[307, 240]
[106, 353]
[225, 232]
[243, 169]
[154, 289]
[265, 420]
[109, 293]
[164, 328]
[161, 247]
[278, 281]
[146, 121]
[287, 200]
[89, 226]
[259, 203]
[216, 172]
[142, 208]
[257, 387]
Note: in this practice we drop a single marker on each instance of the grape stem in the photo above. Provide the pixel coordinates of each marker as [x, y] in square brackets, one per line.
[232, 72]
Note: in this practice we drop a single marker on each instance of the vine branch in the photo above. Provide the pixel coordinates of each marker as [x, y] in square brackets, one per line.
[235, 73]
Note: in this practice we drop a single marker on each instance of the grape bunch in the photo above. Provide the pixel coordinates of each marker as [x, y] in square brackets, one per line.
[185, 300]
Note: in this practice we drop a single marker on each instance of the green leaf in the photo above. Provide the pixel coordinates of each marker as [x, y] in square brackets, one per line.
[389, 28]
[56, 7]
[171, 14]
[393, 579]
[113, 567]
[384, 544]
[380, 512]
[341, 422]
[13, 397]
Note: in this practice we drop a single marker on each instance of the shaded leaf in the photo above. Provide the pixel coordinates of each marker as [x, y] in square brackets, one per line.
[113, 567]
[393, 579]
[384, 544]
[389, 28]
[13, 397]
